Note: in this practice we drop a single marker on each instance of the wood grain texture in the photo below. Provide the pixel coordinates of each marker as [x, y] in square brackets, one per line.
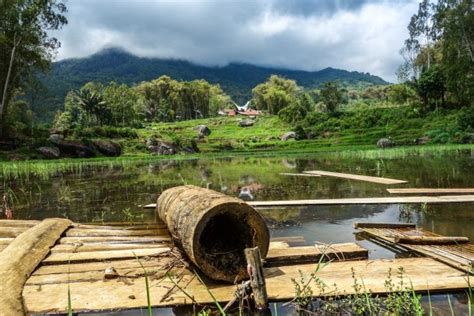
[375, 200]
[20, 258]
[423, 273]
[431, 191]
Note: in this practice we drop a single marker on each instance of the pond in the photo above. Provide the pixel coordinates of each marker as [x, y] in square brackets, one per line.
[106, 192]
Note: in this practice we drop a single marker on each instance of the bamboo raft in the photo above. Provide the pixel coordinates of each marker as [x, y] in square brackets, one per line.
[42, 260]
[453, 251]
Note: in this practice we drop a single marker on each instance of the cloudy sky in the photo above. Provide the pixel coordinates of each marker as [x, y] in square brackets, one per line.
[362, 35]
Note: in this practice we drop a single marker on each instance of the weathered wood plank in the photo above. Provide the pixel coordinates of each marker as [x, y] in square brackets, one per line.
[423, 273]
[306, 254]
[6, 241]
[431, 191]
[80, 247]
[151, 226]
[78, 232]
[384, 225]
[458, 256]
[115, 239]
[19, 259]
[430, 240]
[17, 223]
[63, 257]
[12, 232]
[356, 177]
[376, 200]
[289, 239]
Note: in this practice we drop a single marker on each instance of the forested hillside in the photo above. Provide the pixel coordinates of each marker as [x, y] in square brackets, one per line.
[114, 64]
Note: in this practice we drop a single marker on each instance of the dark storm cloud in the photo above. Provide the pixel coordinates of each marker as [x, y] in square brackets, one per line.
[355, 35]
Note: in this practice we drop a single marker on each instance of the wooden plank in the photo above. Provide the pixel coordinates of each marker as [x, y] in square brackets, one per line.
[151, 226]
[97, 266]
[306, 254]
[421, 273]
[63, 257]
[21, 257]
[115, 239]
[458, 256]
[384, 225]
[299, 174]
[6, 241]
[12, 232]
[289, 239]
[17, 223]
[425, 240]
[376, 200]
[80, 247]
[79, 232]
[356, 177]
[431, 191]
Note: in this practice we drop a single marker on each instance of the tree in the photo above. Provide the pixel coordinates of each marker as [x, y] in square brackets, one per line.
[25, 42]
[275, 94]
[123, 103]
[331, 96]
[431, 85]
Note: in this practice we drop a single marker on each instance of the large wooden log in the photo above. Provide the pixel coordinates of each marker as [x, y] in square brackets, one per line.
[213, 229]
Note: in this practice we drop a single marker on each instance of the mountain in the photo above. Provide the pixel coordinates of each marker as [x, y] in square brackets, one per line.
[113, 64]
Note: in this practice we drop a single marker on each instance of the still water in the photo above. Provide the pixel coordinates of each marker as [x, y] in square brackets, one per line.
[108, 192]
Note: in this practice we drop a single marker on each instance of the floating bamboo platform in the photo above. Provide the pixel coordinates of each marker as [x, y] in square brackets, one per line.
[431, 191]
[356, 177]
[98, 264]
[454, 251]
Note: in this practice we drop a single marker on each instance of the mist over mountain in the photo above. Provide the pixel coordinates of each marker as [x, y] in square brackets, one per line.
[115, 64]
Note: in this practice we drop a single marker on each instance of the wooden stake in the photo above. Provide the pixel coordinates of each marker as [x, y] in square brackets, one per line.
[257, 279]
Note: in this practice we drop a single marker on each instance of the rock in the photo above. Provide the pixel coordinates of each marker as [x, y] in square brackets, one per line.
[107, 147]
[246, 123]
[74, 148]
[49, 152]
[55, 138]
[203, 130]
[159, 147]
[385, 143]
[111, 273]
[422, 140]
[288, 135]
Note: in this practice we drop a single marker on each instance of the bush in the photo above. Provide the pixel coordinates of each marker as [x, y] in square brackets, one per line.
[465, 119]
[292, 113]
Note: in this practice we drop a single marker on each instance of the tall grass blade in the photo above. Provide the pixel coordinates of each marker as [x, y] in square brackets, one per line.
[219, 307]
[147, 286]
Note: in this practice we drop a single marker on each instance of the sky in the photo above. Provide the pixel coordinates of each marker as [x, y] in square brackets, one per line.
[356, 35]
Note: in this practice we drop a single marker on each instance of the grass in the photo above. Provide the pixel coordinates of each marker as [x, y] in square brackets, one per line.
[44, 169]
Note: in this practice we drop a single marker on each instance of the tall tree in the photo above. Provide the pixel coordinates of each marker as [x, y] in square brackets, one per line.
[25, 42]
[332, 96]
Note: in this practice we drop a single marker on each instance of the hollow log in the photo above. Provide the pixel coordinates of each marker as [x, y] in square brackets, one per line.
[431, 240]
[213, 229]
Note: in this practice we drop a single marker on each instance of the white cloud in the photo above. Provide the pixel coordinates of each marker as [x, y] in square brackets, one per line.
[309, 35]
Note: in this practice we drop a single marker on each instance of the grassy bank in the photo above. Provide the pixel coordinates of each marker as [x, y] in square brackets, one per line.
[47, 168]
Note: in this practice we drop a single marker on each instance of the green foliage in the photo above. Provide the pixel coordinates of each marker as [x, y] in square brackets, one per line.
[431, 85]
[25, 43]
[440, 48]
[401, 93]
[237, 80]
[465, 119]
[332, 96]
[293, 113]
[275, 94]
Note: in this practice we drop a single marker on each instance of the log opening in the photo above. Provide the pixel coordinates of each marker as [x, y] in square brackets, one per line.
[213, 229]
